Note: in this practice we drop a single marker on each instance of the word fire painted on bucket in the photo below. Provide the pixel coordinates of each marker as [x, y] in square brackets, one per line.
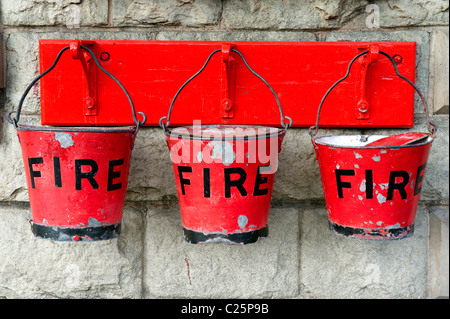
[367, 185]
[77, 189]
[224, 177]
[80, 172]
[372, 193]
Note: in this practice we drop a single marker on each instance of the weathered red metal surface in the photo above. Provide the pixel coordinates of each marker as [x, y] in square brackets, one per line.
[224, 177]
[77, 180]
[226, 92]
[371, 192]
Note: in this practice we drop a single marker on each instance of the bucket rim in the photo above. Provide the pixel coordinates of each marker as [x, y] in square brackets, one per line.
[279, 132]
[87, 129]
[317, 141]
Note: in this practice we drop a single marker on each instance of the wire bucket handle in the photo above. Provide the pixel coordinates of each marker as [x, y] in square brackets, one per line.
[15, 120]
[432, 128]
[284, 124]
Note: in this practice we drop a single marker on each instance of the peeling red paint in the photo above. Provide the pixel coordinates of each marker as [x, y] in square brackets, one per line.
[76, 178]
[224, 187]
[376, 198]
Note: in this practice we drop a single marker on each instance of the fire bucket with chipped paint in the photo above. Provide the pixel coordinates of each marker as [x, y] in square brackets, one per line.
[224, 176]
[76, 176]
[372, 183]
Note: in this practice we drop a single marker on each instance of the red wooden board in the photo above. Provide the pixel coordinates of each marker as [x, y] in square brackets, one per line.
[299, 72]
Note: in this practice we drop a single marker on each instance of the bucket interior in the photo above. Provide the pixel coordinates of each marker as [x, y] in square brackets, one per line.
[359, 141]
[224, 132]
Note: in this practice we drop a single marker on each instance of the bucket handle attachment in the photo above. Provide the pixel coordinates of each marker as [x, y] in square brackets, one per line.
[15, 120]
[284, 124]
[432, 128]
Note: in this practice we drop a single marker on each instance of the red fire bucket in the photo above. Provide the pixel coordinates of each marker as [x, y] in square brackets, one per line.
[224, 176]
[77, 176]
[372, 183]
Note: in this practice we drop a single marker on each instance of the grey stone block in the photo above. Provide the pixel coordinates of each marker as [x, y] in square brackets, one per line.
[177, 269]
[289, 15]
[422, 39]
[435, 186]
[40, 268]
[298, 175]
[71, 14]
[405, 13]
[438, 253]
[358, 269]
[13, 184]
[236, 36]
[151, 171]
[439, 71]
[169, 13]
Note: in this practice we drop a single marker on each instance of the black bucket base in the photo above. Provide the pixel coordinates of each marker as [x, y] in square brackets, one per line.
[75, 234]
[372, 233]
[194, 237]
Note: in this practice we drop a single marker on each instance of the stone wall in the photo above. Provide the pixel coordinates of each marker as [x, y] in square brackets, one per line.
[301, 258]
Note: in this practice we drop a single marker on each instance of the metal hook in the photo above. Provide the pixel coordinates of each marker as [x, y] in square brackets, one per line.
[432, 128]
[19, 108]
[283, 124]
